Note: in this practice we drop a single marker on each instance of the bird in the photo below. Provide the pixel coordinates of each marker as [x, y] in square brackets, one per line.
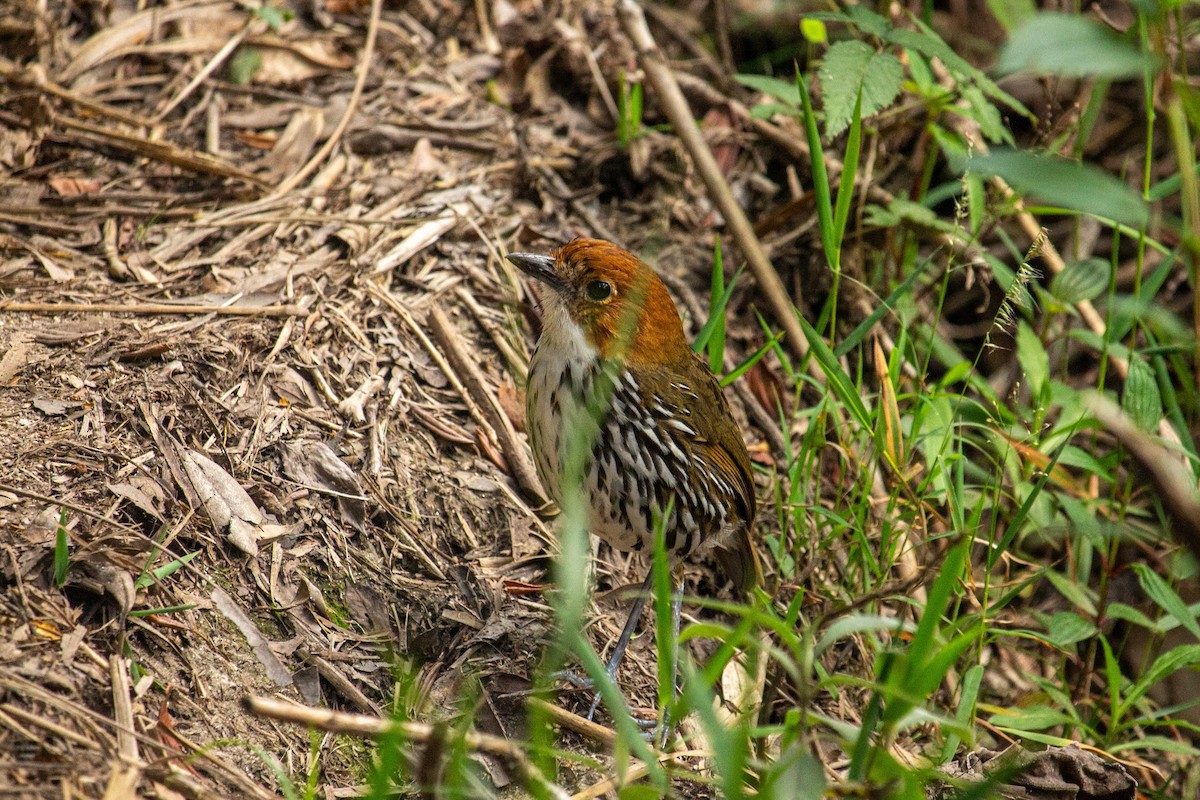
[612, 361]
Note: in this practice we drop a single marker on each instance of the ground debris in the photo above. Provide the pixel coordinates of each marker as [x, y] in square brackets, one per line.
[1055, 773]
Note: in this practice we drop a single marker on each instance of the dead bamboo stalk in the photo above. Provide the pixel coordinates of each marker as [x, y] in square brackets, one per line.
[675, 106]
[151, 309]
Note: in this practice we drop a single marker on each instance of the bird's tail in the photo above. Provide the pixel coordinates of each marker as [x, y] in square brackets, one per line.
[738, 558]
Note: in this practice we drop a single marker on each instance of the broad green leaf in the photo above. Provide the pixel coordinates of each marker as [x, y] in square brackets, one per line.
[1070, 44]
[245, 62]
[1067, 628]
[1131, 614]
[901, 210]
[853, 66]
[1034, 718]
[855, 624]
[1176, 658]
[1081, 280]
[1064, 183]
[924, 40]
[780, 90]
[1142, 400]
[927, 41]
[984, 112]
[1011, 13]
[274, 17]
[1167, 599]
[1155, 745]
[1078, 594]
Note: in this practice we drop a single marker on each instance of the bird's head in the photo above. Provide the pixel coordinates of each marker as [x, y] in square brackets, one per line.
[616, 302]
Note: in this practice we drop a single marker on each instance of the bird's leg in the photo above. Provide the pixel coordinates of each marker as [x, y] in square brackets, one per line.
[635, 613]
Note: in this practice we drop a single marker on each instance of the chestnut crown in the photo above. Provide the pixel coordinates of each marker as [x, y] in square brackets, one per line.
[614, 299]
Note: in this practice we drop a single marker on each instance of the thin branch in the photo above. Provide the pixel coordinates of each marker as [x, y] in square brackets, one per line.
[676, 108]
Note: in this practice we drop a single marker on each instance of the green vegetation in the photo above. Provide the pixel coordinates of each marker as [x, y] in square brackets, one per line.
[959, 518]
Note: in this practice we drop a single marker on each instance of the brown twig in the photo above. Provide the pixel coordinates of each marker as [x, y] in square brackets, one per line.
[213, 64]
[127, 744]
[363, 725]
[360, 80]
[34, 76]
[1168, 472]
[473, 383]
[676, 109]
[151, 308]
[573, 722]
[158, 150]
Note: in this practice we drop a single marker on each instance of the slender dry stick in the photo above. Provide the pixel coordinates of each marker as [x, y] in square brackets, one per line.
[374, 727]
[360, 80]
[675, 106]
[472, 379]
[209, 68]
[35, 77]
[1169, 474]
[166, 152]
[150, 308]
[573, 722]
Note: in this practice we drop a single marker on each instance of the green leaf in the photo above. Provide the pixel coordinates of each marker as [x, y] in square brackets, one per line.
[1131, 614]
[926, 41]
[820, 177]
[850, 67]
[244, 64]
[1167, 599]
[991, 123]
[1176, 658]
[716, 312]
[273, 16]
[1073, 45]
[813, 30]
[1033, 359]
[1142, 400]
[774, 87]
[901, 210]
[840, 383]
[1011, 13]
[148, 579]
[1081, 280]
[965, 713]
[860, 332]
[855, 624]
[1155, 745]
[1064, 183]
[1078, 594]
[1034, 718]
[1067, 628]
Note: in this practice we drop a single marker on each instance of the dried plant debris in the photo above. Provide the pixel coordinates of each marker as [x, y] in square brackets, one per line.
[1055, 773]
[261, 424]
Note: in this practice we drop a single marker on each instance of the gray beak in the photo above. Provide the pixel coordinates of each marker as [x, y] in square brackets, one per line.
[538, 267]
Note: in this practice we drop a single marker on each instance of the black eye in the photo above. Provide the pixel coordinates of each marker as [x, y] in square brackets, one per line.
[599, 290]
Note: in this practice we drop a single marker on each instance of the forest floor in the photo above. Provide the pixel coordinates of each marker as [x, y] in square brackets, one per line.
[261, 361]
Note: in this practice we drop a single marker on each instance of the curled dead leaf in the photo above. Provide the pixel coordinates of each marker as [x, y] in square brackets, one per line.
[227, 504]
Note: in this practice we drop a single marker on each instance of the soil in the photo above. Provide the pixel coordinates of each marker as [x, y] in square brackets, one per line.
[326, 502]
